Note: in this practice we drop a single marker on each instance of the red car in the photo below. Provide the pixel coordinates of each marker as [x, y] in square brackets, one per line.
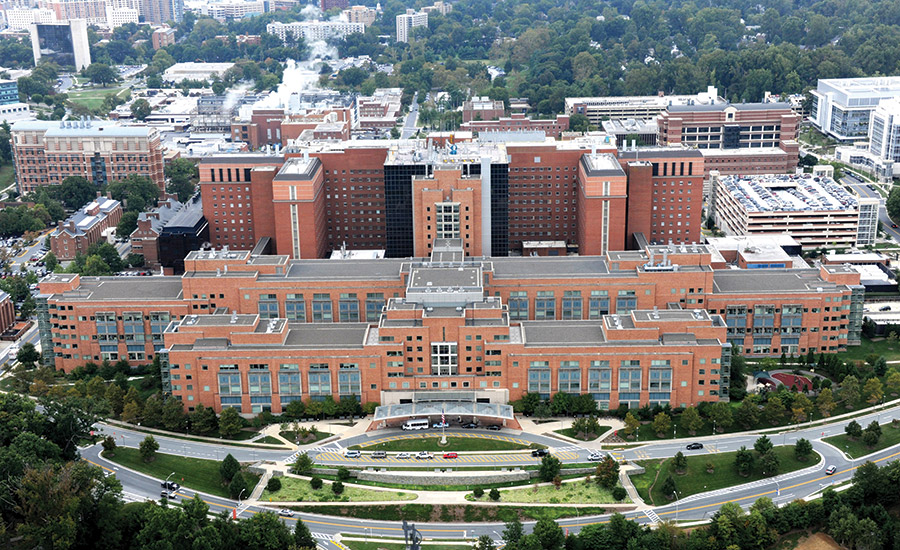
[450, 455]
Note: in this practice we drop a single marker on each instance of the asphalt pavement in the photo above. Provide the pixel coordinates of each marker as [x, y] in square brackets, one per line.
[784, 488]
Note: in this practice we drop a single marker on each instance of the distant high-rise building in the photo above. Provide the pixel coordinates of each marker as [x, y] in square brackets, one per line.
[330, 4]
[406, 21]
[162, 11]
[66, 44]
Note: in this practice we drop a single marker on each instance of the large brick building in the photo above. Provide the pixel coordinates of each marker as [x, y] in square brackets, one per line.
[636, 327]
[47, 152]
[85, 227]
[377, 195]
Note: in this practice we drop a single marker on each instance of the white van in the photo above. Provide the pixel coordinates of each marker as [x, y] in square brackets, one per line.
[419, 424]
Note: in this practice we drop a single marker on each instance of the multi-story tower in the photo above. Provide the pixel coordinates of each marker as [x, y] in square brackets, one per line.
[406, 22]
[47, 152]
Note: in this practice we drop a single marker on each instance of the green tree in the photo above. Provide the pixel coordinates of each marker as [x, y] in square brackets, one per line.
[720, 414]
[550, 466]
[662, 424]
[181, 173]
[203, 420]
[743, 461]
[484, 542]
[173, 418]
[853, 429]
[631, 424]
[230, 423]
[550, 534]
[770, 463]
[337, 487]
[691, 420]
[303, 465]
[228, 468]
[140, 109]
[873, 390]
[849, 390]
[669, 489]
[303, 537]
[148, 448]
[825, 402]
[238, 486]
[74, 192]
[774, 410]
[679, 462]
[109, 446]
[607, 473]
[763, 444]
[802, 449]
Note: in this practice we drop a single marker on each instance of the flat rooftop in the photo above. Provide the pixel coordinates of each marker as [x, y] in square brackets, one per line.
[124, 288]
[787, 193]
[773, 281]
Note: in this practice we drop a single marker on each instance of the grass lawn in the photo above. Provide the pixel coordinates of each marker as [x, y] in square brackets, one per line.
[194, 473]
[269, 439]
[889, 436]
[890, 350]
[459, 444]
[299, 490]
[569, 432]
[697, 480]
[93, 98]
[7, 175]
[289, 435]
[573, 492]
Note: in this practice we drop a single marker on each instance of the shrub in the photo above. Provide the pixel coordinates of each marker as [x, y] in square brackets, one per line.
[337, 487]
[619, 493]
[274, 485]
[343, 473]
[315, 483]
[494, 494]
[478, 492]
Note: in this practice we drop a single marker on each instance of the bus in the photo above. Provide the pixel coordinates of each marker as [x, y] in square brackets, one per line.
[416, 424]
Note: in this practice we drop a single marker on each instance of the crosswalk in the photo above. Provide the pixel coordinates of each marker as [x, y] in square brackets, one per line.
[654, 519]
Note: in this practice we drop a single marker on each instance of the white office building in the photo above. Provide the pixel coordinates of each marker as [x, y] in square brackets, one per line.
[406, 21]
[842, 107]
[313, 31]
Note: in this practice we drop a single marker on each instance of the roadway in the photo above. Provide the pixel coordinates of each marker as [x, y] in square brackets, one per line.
[784, 488]
[409, 125]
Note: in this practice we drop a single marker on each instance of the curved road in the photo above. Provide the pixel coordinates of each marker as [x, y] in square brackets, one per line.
[781, 489]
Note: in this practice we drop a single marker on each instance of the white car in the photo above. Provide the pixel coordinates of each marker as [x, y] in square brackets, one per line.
[404, 455]
[352, 454]
[425, 455]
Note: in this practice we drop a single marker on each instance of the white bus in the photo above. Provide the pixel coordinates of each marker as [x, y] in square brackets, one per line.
[416, 424]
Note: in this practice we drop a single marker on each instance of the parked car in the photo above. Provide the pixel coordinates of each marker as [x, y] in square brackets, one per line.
[379, 454]
[450, 455]
[595, 456]
[424, 455]
[694, 446]
[286, 512]
[352, 454]
[439, 425]
[830, 470]
[170, 485]
[403, 456]
[540, 452]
